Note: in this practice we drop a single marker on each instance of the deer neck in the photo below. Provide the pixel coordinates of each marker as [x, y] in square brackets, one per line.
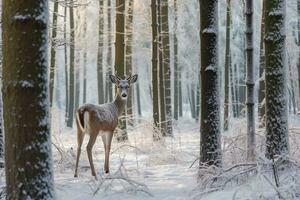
[120, 104]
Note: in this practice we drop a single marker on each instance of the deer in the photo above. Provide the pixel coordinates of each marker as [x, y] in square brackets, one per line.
[94, 120]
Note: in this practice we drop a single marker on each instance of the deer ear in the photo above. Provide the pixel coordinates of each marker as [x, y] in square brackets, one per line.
[113, 79]
[133, 79]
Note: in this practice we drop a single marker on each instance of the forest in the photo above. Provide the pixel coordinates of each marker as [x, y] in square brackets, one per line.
[150, 99]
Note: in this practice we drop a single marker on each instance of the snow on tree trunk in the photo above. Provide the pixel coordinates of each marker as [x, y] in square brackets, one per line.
[227, 66]
[298, 43]
[210, 146]
[66, 62]
[250, 81]
[155, 90]
[129, 37]
[1, 130]
[161, 72]
[28, 157]
[100, 54]
[176, 70]
[72, 66]
[120, 58]
[261, 90]
[53, 50]
[166, 63]
[109, 53]
[85, 58]
[276, 94]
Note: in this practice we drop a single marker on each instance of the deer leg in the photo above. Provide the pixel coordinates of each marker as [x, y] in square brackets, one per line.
[89, 148]
[80, 137]
[107, 145]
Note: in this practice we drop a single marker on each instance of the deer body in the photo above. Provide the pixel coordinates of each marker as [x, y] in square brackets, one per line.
[102, 120]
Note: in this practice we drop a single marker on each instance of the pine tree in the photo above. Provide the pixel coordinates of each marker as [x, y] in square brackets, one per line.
[53, 50]
[276, 98]
[120, 57]
[28, 157]
[250, 82]
[210, 146]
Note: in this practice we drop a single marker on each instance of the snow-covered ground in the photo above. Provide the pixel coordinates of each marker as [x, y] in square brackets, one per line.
[167, 170]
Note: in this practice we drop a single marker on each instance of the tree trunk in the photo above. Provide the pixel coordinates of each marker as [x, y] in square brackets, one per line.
[129, 34]
[77, 59]
[155, 89]
[109, 53]
[120, 58]
[1, 129]
[53, 50]
[100, 54]
[250, 82]
[298, 43]
[84, 60]
[166, 63]
[162, 97]
[138, 97]
[28, 157]
[176, 70]
[261, 90]
[210, 145]
[71, 71]
[180, 92]
[66, 62]
[227, 66]
[276, 98]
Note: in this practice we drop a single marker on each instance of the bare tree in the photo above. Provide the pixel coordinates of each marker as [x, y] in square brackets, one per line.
[155, 89]
[276, 86]
[250, 81]
[120, 57]
[210, 147]
[53, 50]
[28, 155]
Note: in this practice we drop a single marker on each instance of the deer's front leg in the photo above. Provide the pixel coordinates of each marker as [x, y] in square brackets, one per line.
[107, 144]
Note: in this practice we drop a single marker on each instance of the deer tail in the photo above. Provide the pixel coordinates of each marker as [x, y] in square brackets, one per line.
[80, 120]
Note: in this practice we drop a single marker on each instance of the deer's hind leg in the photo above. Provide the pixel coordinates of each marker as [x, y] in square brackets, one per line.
[89, 148]
[80, 137]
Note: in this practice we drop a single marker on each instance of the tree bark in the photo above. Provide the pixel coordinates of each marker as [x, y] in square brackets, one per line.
[276, 90]
[100, 54]
[53, 50]
[162, 97]
[166, 64]
[77, 50]
[227, 66]
[261, 90]
[28, 157]
[250, 82]
[129, 34]
[155, 89]
[120, 58]
[298, 43]
[176, 70]
[1, 128]
[66, 62]
[210, 145]
[72, 68]
[109, 53]
[84, 59]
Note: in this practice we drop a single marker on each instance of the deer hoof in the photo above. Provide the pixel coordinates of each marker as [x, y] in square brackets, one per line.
[75, 175]
[106, 171]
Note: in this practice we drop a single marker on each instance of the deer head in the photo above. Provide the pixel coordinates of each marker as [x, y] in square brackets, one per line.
[123, 85]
